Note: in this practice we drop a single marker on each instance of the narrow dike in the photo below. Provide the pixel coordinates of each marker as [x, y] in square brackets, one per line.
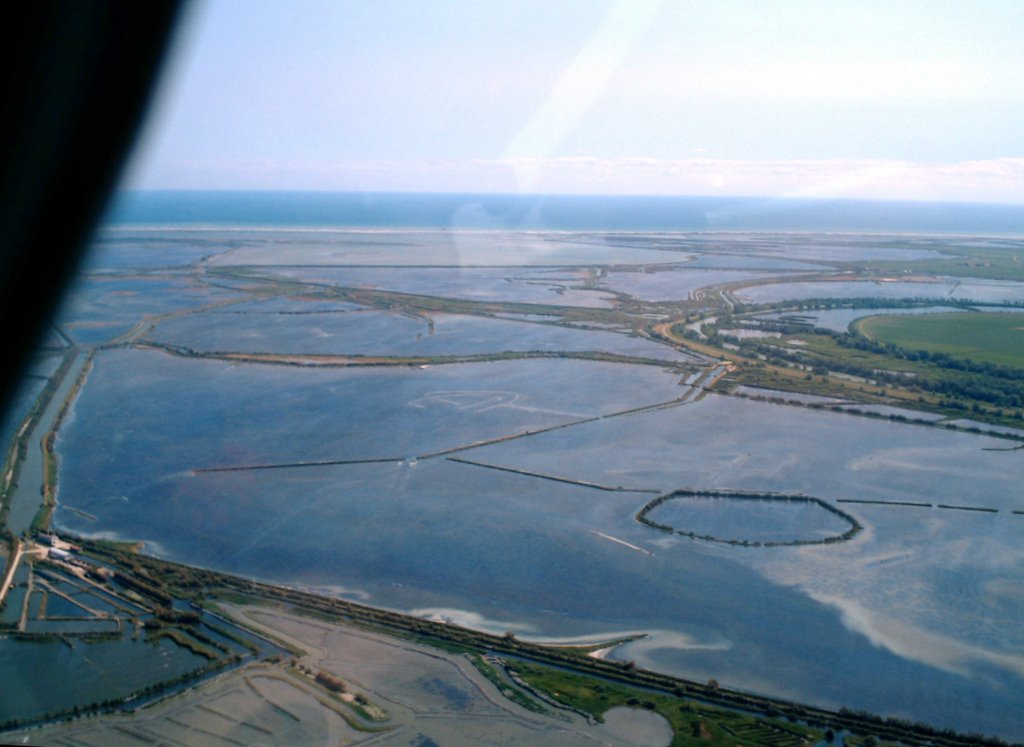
[555, 478]
[293, 465]
[884, 503]
[503, 439]
[914, 504]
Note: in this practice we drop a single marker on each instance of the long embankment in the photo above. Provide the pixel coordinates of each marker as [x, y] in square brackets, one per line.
[346, 361]
[915, 504]
[884, 503]
[294, 465]
[13, 462]
[555, 478]
[28, 479]
[51, 462]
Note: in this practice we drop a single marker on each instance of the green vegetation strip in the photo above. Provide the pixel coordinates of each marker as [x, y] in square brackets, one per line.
[511, 692]
[854, 366]
[690, 721]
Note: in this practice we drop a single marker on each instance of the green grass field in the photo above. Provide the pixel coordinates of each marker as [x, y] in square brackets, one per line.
[692, 722]
[988, 338]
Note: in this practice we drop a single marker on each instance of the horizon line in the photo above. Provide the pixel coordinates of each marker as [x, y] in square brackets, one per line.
[574, 195]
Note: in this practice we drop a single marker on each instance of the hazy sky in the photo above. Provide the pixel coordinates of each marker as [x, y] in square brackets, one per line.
[917, 100]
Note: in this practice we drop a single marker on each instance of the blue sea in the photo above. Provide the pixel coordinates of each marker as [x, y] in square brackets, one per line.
[557, 212]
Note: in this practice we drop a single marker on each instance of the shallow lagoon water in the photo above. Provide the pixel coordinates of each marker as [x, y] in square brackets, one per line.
[708, 444]
[839, 320]
[431, 248]
[244, 414]
[124, 250]
[770, 246]
[509, 284]
[375, 333]
[448, 536]
[434, 248]
[436, 534]
[98, 309]
[673, 284]
[841, 249]
[45, 677]
[899, 412]
[884, 582]
[748, 261]
[982, 291]
[289, 305]
[58, 606]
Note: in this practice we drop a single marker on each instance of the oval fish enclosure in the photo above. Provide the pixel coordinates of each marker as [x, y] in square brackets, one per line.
[748, 519]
